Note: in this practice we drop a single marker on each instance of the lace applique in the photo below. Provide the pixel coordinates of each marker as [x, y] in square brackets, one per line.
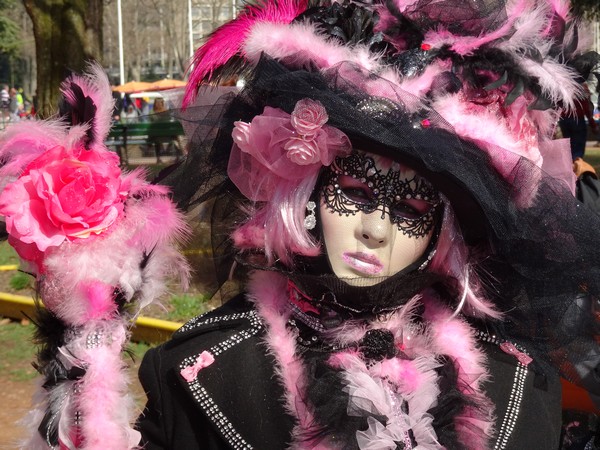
[355, 184]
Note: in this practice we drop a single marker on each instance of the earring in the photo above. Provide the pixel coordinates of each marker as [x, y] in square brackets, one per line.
[310, 221]
[428, 260]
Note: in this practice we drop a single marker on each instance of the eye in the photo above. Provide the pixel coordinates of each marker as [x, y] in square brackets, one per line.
[410, 209]
[357, 195]
[355, 191]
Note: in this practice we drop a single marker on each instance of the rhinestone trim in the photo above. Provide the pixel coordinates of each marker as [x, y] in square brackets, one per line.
[513, 408]
[219, 420]
[202, 320]
[307, 320]
[94, 339]
[202, 397]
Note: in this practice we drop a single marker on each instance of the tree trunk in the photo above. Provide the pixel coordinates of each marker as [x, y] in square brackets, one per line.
[68, 33]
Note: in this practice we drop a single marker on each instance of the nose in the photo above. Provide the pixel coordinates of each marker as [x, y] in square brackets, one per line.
[376, 231]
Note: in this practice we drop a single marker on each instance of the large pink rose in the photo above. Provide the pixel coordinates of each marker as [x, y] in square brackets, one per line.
[64, 194]
[308, 117]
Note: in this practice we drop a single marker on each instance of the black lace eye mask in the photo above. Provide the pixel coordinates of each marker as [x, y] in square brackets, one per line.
[355, 184]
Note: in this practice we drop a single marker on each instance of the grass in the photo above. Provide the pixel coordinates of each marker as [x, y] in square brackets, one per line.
[17, 351]
[592, 156]
[7, 254]
[186, 306]
[20, 281]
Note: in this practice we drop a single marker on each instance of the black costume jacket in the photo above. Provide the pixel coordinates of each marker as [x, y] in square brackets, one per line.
[236, 402]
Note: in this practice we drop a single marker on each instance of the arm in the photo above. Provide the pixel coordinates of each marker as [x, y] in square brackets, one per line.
[588, 109]
[151, 423]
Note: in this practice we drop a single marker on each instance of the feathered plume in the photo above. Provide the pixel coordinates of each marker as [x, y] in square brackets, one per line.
[101, 244]
[88, 105]
[225, 43]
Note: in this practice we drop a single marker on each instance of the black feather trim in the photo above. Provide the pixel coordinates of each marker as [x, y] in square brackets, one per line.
[451, 403]
[81, 111]
[326, 395]
[49, 336]
[350, 24]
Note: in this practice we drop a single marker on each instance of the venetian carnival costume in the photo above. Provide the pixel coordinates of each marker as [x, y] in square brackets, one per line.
[459, 348]
[434, 118]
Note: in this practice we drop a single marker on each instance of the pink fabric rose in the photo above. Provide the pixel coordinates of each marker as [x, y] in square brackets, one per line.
[240, 134]
[308, 117]
[302, 152]
[275, 148]
[64, 194]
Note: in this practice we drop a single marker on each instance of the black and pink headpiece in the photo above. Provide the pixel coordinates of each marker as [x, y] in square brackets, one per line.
[496, 72]
[466, 93]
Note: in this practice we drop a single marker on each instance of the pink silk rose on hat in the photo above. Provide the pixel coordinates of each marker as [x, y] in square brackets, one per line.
[64, 194]
[279, 147]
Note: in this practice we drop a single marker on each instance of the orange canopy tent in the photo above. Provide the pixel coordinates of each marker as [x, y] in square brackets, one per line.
[133, 86]
[166, 83]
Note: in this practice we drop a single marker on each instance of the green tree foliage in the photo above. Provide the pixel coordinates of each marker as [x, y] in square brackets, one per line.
[9, 30]
[588, 9]
[68, 34]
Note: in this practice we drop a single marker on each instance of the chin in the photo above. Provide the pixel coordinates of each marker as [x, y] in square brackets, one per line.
[361, 280]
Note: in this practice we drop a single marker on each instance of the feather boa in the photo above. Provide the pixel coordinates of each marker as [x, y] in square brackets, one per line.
[380, 388]
[101, 244]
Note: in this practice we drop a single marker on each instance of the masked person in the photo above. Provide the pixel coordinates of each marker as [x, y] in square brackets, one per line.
[386, 190]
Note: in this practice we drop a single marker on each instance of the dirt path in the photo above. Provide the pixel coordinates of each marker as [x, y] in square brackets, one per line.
[15, 401]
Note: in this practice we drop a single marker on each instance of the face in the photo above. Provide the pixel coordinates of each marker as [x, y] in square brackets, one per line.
[377, 217]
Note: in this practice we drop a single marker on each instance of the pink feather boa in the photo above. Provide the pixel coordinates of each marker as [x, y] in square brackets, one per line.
[93, 237]
[387, 383]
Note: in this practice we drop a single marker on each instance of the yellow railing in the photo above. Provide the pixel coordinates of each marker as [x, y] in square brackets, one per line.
[145, 329]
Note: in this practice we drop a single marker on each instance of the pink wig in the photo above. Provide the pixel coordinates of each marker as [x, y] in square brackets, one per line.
[278, 225]
[452, 259]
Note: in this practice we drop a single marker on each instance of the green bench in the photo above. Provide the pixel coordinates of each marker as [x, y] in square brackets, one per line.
[143, 133]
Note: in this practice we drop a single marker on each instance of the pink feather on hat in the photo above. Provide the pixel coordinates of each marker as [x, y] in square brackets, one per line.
[226, 42]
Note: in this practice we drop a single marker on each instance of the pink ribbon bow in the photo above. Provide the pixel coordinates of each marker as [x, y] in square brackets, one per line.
[511, 349]
[190, 373]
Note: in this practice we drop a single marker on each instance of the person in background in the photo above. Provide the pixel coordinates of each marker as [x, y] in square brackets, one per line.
[130, 115]
[4, 105]
[573, 124]
[118, 105]
[160, 113]
[21, 101]
[14, 107]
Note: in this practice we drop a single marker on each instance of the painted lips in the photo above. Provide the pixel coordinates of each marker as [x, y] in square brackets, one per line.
[363, 262]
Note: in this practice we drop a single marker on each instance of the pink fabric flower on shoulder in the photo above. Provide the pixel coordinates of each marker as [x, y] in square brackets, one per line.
[276, 146]
[64, 194]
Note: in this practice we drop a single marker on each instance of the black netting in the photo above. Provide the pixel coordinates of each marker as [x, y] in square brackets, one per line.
[470, 18]
[541, 243]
